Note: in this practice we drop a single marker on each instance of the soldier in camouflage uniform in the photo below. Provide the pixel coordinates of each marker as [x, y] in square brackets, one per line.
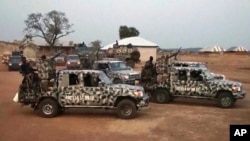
[31, 78]
[147, 76]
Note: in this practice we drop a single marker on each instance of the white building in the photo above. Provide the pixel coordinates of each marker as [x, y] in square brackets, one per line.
[213, 49]
[237, 49]
[145, 47]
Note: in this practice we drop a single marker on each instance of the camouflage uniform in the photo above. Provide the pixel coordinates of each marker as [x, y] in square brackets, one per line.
[147, 76]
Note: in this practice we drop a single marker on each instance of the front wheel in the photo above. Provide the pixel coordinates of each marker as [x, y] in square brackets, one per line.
[126, 109]
[226, 100]
[48, 108]
[117, 81]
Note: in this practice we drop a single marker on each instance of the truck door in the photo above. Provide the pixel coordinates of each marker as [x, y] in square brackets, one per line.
[199, 86]
[178, 82]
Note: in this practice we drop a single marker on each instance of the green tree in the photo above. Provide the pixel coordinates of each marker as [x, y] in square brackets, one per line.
[50, 26]
[125, 32]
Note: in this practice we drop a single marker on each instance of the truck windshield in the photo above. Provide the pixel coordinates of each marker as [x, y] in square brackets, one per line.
[73, 57]
[15, 59]
[208, 74]
[104, 78]
[116, 66]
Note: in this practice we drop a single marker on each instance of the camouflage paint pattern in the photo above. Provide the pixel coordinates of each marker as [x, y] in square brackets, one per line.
[207, 88]
[79, 95]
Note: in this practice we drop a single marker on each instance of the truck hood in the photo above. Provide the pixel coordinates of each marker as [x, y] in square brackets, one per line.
[218, 76]
[225, 82]
[127, 87]
[129, 72]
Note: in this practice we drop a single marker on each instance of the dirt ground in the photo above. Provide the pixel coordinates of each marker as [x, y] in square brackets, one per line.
[181, 120]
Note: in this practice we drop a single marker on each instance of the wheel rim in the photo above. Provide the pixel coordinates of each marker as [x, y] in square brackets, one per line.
[126, 110]
[226, 101]
[48, 109]
[160, 97]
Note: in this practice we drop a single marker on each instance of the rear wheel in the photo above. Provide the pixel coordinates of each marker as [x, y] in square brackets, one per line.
[162, 96]
[48, 108]
[126, 109]
[226, 100]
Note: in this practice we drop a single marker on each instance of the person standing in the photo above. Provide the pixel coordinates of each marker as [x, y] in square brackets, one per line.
[150, 62]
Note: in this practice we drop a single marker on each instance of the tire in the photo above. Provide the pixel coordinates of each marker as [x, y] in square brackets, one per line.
[126, 109]
[135, 55]
[226, 100]
[48, 108]
[117, 81]
[162, 96]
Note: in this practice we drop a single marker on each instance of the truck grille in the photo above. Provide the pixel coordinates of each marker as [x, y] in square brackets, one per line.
[134, 76]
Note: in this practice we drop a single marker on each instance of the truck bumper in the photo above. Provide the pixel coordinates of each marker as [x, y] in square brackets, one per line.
[240, 95]
[144, 102]
[131, 82]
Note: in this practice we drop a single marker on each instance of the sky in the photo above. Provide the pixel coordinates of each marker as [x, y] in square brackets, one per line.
[168, 23]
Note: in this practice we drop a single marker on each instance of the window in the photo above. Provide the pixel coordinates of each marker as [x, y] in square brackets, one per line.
[182, 75]
[102, 66]
[195, 75]
[91, 80]
[115, 66]
[73, 79]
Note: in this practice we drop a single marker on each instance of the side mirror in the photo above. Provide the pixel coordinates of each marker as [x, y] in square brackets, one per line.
[101, 84]
[130, 68]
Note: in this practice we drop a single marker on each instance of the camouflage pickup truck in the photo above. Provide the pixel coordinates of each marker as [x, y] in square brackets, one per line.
[82, 89]
[198, 83]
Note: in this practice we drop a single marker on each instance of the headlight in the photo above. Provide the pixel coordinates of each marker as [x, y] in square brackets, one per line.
[138, 93]
[236, 88]
[78, 62]
[68, 62]
[20, 64]
[124, 77]
[10, 64]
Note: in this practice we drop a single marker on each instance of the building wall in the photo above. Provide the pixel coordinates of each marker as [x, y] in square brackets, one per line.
[8, 47]
[30, 52]
[51, 51]
[146, 52]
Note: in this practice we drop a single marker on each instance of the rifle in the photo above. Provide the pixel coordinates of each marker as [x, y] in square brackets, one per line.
[175, 54]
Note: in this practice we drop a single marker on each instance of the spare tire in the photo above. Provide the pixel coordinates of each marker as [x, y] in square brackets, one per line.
[130, 63]
[135, 55]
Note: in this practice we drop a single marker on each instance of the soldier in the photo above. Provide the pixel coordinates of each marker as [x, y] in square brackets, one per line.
[150, 62]
[146, 76]
[26, 68]
[29, 74]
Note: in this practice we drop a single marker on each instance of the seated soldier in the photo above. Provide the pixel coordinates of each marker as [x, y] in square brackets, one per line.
[87, 80]
[27, 71]
[73, 79]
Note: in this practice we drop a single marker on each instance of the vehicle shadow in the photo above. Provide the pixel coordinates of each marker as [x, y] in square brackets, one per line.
[206, 103]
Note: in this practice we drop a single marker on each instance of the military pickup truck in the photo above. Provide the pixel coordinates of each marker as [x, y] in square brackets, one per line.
[117, 71]
[79, 89]
[176, 78]
[198, 83]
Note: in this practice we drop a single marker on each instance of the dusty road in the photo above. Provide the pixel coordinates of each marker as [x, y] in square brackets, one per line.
[182, 120]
